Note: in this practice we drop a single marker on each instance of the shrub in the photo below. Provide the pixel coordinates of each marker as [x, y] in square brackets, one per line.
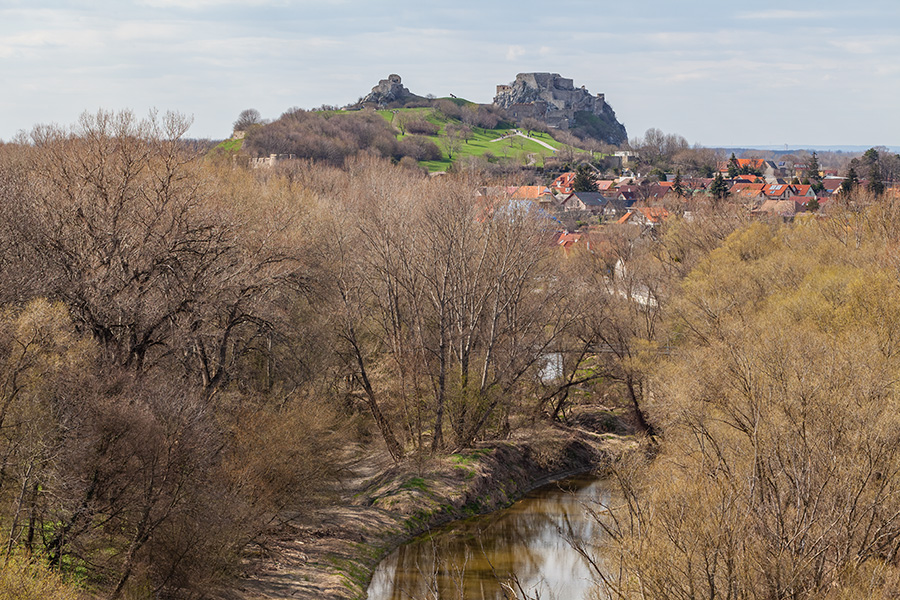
[22, 579]
[422, 127]
[420, 148]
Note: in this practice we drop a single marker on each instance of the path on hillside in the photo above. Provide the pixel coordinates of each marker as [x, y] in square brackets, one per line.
[527, 137]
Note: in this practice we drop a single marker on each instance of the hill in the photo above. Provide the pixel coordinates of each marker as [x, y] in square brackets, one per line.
[446, 131]
[459, 141]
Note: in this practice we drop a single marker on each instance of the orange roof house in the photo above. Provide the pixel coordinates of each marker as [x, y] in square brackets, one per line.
[778, 191]
[563, 183]
[751, 163]
[746, 178]
[804, 190]
[536, 193]
[748, 190]
[645, 215]
[569, 241]
[530, 192]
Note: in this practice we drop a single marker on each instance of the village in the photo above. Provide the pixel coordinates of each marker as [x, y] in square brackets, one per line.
[759, 188]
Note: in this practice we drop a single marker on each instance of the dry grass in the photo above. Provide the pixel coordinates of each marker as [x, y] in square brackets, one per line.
[21, 579]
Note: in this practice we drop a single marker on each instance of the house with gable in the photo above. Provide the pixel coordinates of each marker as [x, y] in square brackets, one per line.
[629, 192]
[695, 185]
[584, 201]
[649, 216]
[613, 208]
[769, 170]
[748, 192]
[832, 184]
[786, 209]
[803, 190]
[534, 193]
[656, 192]
[778, 191]
[748, 178]
[566, 240]
[563, 184]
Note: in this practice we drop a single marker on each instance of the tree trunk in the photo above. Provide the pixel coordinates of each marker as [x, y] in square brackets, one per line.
[641, 418]
[386, 432]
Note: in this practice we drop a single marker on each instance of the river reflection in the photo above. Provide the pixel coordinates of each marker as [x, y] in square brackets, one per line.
[469, 559]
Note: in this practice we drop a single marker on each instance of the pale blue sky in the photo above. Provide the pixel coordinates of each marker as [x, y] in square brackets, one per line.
[719, 73]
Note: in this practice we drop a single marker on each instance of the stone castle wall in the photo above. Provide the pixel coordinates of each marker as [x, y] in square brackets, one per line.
[557, 95]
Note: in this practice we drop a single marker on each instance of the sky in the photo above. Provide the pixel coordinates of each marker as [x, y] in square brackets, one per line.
[799, 73]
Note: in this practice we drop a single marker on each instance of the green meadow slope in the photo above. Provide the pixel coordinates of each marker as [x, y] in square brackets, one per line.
[493, 144]
[498, 142]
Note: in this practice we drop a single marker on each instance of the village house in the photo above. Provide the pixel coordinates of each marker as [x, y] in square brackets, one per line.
[613, 208]
[804, 190]
[649, 216]
[748, 178]
[786, 209]
[566, 240]
[584, 201]
[832, 184]
[748, 192]
[768, 169]
[562, 185]
[534, 193]
[778, 191]
[656, 192]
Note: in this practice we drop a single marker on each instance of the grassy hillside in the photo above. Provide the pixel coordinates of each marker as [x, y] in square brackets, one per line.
[231, 145]
[491, 143]
[497, 142]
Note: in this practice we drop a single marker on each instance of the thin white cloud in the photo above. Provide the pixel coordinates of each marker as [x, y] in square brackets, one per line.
[515, 52]
[134, 31]
[37, 42]
[777, 14]
[880, 45]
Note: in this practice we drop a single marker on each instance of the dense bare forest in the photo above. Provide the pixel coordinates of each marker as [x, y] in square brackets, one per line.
[184, 343]
[188, 347]
[777, 475]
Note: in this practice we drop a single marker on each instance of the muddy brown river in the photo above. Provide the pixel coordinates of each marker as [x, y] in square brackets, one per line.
[469, 560]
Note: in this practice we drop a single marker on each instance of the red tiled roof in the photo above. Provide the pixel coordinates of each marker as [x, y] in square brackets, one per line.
[530, 192]
[748, 189]
[752, 163]
[652, 214]
[777, 189]
[563, 183]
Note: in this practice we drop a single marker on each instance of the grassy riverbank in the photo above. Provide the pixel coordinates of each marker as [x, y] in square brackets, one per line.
[334, 553]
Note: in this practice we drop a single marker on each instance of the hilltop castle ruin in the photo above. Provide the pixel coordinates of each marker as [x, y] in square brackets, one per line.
[556, 101]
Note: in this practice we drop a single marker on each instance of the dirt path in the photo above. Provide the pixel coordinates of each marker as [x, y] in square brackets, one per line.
[527, 137]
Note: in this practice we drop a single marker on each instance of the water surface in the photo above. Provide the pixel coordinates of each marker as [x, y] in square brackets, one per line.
[469, 559]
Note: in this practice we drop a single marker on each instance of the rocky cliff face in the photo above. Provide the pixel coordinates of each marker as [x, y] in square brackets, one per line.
[556, 101]
[389, 91]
